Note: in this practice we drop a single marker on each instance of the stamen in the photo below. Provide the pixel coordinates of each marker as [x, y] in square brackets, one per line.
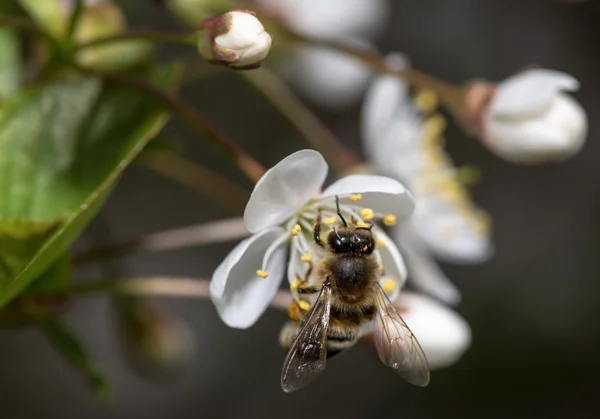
[262, 274]
[367, 214]
[380, 243]
[330, 220]
[296, 230]
[304, 305]
[389, 285]
[362, 224]
[272, 247]
[389, 220]
[307, 257]
[355, 197]
[294, 285]
[426, 100]
[433, 127]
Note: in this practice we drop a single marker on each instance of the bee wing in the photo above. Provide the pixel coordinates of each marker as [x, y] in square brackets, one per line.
[396, 345]
[307, 356]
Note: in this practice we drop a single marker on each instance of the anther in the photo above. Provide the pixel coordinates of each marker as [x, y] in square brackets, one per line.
[330, 220]
[389, 220]
[380, 243]
[296, 230]
[389, 285]
[426, 100]
[262, 274]
[355, 197]
[362, 224]
[367, 214]
[307, 257]
[294, 285]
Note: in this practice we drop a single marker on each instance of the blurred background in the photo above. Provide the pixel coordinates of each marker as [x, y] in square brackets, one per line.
[533, 308]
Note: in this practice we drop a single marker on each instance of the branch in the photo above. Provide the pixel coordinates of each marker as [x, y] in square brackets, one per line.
[201, 234]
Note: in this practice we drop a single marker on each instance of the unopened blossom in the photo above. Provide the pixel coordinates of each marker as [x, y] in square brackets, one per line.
[528, 118]
[404, 140]
[281, 214]
[236, 39]
[329, 78]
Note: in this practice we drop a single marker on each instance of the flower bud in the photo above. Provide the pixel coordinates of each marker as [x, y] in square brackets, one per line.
[526, 118]
[236, 39]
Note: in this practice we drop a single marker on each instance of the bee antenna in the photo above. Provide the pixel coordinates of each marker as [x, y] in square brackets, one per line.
[337, 206]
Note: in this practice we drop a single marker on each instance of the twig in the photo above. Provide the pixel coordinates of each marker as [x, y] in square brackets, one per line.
[313, 130]
[197, 177]
[213, 232]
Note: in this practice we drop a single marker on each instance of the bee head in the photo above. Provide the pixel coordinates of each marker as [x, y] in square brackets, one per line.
[350, 239]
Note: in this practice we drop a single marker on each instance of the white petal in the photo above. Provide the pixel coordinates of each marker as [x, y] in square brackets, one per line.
[239, 295]
[382, 194]
[284, 189]
[529, 92]
[425, 274]
[556, 134]
[442, 333]
[391, 259]
[329, 78]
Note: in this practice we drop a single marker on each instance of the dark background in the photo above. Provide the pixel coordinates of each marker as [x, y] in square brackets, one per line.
[533, 308]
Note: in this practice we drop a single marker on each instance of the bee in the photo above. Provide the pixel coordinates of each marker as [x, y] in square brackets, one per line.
[347, 280]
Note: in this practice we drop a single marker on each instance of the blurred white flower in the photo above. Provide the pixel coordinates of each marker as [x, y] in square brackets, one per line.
[530, 120]
[442, 333]
[404, 141]
[236, 38]
[281, 213]
[327, 77]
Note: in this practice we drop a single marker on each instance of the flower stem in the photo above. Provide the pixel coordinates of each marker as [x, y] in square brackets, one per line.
[313, 130]
[160, 286]
[196, 177]
[196, 235]
[253, 169]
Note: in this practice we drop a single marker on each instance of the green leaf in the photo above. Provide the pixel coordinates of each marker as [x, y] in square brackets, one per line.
[10, 62]
[76, 354]
[63, 146]
[57, 276]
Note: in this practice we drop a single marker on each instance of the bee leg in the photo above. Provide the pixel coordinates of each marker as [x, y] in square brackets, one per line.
[304, 288]
[288, 334]
[317, 228]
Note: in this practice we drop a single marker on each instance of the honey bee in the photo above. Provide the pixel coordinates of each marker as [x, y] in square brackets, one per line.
[347, 280]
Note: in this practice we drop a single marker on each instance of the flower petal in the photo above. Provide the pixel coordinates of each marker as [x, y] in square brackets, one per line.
[391, 259]
[239, 295]
[382, 194]
[284, 189]
[529, 92]
[425, 274]
[443, 334]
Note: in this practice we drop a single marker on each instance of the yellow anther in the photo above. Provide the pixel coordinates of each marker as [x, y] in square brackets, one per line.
[389, 220]
[294, 285]
[330, 220]
[389, 285]
[426, 100]
[355, 197]
[367, 214]
[381, 243]
[296, 230]
[362, 224]
[262, 274]
[307, 257]
[433, 127]
[304, 305]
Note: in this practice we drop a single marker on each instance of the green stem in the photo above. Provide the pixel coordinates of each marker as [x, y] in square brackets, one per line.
[306, 122]
[74, 20]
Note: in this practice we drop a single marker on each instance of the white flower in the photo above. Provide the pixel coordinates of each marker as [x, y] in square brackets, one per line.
[530, 120]
[403, 141]
[442, 333]
[236, 39]
[281, 213]
[327, 77]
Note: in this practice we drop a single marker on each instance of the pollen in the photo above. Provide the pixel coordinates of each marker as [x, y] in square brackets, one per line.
[307, 257]
[304, 305]
[262, 274]
[426, 100]
[389, 285]
[362, 224]
[355, 197]
[367, 214]
[296, 230]
[294, 311]
[294, 285]
[330, 220]
[389, 220]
